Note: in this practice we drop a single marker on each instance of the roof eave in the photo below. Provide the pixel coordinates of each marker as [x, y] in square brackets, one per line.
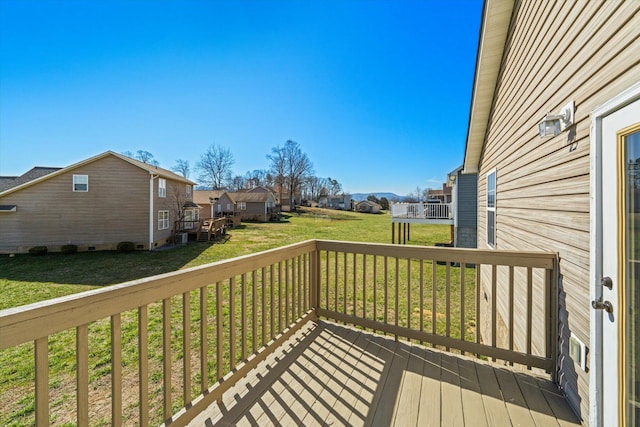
[493, 35]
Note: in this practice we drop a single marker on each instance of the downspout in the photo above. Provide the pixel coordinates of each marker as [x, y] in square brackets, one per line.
[151, 193]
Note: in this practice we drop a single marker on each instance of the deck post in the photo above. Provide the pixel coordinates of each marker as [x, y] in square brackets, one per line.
[409, 231]
[552, 317]
[393, 234]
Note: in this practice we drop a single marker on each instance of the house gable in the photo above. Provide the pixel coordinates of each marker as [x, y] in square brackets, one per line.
[107, 202]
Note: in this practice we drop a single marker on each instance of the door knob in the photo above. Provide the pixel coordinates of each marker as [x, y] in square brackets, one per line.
[602, 305]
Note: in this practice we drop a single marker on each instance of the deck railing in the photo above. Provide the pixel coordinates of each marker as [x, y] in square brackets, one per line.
[422, 210]
[181, 339]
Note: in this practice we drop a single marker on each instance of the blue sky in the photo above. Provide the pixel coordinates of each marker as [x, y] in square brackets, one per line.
[377, 93]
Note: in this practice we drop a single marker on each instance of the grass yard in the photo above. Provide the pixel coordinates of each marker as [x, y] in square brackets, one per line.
[25, 279]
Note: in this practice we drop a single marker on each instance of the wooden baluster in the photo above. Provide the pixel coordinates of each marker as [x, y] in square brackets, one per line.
[408, 293]
[42, 381]
[511, 307]
[434, 305]
[263, 286]
[186, 347]
[243, 316]
[254, 309]
[364, 286]
[204, 369]
[355, 293]
[462, 305]
[448, 307]
[529, 310]
[82, 375]
[232, 323]
[219, 331]
[143, 365]
[494, 311]
[166, 359]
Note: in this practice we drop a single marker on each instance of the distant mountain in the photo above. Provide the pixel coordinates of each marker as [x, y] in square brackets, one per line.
[358, 197]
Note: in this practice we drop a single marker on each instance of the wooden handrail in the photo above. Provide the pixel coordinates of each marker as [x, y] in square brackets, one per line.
[254, 302]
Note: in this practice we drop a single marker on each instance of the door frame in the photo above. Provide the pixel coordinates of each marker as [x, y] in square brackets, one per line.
[595, 254]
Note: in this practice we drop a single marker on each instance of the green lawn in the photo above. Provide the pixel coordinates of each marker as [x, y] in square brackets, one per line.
[25, 279]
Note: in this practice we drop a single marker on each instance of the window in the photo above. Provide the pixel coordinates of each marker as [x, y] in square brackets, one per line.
[162, 187]
[81, 183]
[188, 218]
[188, 192]
[491, 208]
[242, 206]
[163, 220]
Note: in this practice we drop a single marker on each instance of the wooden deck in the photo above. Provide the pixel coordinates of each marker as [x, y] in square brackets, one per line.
[329, 374]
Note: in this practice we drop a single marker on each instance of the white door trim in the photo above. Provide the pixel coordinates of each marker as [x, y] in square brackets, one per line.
[595, 274]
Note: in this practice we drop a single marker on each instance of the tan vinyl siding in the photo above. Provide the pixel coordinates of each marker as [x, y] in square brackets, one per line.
[255, 211]
[50, 213]
[115, 209]
[557, 52]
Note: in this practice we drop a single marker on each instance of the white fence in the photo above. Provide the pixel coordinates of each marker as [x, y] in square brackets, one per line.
[422, 210]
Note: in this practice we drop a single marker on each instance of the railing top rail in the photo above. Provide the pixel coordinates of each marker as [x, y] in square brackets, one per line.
[533, 259]
[29, 322]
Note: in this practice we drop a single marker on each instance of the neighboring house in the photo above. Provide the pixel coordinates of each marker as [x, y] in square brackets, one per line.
[256, 205]
[367, 206]
[464, 202]
[7, 182]
[94, 204]
[567, 71]
[214, 203]
[443, 195]
[341, 202]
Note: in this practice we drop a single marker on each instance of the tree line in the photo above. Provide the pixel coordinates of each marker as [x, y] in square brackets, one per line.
[290, 172]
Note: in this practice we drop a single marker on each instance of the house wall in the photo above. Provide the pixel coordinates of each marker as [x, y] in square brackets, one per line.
[556, 52]
[255, 211]
[172, 202]
[115, 209]
[466, 188]
[224, 202]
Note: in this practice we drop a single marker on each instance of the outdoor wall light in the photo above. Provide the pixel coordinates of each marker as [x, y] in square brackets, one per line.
[553, 124]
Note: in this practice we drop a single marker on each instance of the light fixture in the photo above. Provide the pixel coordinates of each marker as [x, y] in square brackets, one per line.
[553, 124]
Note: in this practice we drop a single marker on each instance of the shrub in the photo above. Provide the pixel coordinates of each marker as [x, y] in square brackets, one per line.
[38, 250]
[69, 249]
[126, 247]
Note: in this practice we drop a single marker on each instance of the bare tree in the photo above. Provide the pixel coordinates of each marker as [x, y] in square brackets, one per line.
[146, 157]
[215, 167]
[182, 167]
[256, 178]
[278, 168]
[313, 185]
[335, 188]
[143, 156]
[237, 183]
[292, 164]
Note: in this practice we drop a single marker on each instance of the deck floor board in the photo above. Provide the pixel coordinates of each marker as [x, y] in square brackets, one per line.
[330, 374]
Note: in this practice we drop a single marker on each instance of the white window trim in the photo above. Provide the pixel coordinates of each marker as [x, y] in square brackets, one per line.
[492, 209]
[242, 206]
[73, 185]
[162, 187]
[163, 223]
[189, 191]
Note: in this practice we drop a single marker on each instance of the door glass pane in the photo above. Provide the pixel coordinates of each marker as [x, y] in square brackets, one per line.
[632, 286]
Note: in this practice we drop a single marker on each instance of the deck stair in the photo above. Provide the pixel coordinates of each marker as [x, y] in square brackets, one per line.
[210, 228]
